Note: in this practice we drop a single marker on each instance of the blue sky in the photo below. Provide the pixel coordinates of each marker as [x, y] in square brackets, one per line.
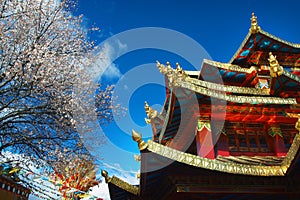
[219, 26]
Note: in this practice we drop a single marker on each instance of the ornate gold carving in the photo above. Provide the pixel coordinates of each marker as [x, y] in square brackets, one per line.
[138, 175]
[275, 69]
[229, 66]
[138, 138]
[253, 160]
[254, 25]
[179, 71]
[150, 112]
[105, 175]
[229, 167]
[226, 88]
[236, 98]
[178, 77]
[137, 158]
[124, 185]
[120, 183]
[295, 115]
[203, 124]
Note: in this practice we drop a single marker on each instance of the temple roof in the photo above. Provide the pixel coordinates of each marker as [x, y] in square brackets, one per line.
[258, 43]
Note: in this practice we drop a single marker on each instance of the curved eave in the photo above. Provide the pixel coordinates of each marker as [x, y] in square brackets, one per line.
[237, 98]
[288, 84]
[266, 34]
[227, 66]
[228, 167]
[167, 117]
[124, 185]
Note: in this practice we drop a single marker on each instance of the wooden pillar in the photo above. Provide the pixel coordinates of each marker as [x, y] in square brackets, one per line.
[205, 146]
[223, 147]
[279, 146]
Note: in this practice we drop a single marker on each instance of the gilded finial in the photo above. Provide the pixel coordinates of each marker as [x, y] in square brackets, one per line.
[150, 112]
[138, 175]
[137, 157]
[105, 175]
[138, 138]
[161, 68]
[147, 108]
[254, 25]
[275, 69]
[179, 70]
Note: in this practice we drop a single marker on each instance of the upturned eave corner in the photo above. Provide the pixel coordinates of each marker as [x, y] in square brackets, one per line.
[120, 183]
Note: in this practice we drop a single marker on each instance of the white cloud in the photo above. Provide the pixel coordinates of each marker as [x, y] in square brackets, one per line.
[104, 66]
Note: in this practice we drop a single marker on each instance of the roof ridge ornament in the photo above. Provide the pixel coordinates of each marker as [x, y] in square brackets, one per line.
[275, 69]
[175, 76]
[150, 112]
[138, 138]
[105, 175]
[254, 25]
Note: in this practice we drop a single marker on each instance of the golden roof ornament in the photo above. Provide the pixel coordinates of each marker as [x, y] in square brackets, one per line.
[179, 69]
[254, 25]
[275, 69]
[138, 175]
[295, 115]
[138, 138]
[105, 175]
[150, 112]
[137, 157]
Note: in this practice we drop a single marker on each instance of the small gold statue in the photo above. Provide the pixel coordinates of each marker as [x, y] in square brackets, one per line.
[275, 69]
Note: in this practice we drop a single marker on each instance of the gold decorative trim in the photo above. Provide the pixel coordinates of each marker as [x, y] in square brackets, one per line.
[291, 75]
[150, 112]
[253, 160]
[124, 185]
[177, 77]
[287, 161]
[226, 88]
[294, 45]
[228, 66]
[236, 98]
[229, 167]
[137, 157]
[120, 183]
